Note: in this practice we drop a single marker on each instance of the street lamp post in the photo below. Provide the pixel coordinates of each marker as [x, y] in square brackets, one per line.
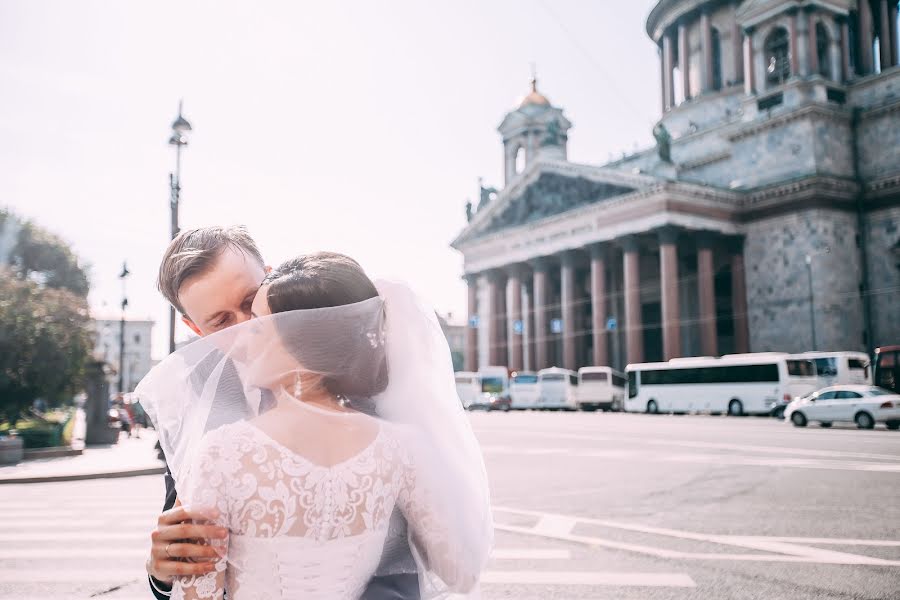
[812, 297]
[180, 127]
[125, 273]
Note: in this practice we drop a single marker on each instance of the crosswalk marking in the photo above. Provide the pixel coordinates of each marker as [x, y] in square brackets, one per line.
[596, 578]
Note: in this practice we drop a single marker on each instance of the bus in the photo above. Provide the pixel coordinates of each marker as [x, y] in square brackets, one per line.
[468, 387]
[558, 389]
[839, 368]
[494, 389]
[887, 368]
[524, 390]
[737, 384]
[600, 387]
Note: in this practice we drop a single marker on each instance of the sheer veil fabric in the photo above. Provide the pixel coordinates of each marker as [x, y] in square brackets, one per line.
[308, 492]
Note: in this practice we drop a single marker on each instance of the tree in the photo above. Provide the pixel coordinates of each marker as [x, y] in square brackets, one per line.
[45, 337]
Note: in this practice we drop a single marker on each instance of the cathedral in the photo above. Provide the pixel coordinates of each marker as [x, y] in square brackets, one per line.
[765, 218]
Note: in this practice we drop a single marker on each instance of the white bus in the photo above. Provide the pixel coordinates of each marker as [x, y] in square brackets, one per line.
[737, 384]
[468, 387]
[558, 388]
[840, 368]
[524, 390]
[600, 387]
[494, 389]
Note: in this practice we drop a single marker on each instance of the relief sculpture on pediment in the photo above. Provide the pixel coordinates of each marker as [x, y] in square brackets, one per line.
[550, 195]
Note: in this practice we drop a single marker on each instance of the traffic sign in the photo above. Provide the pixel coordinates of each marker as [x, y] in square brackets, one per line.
[611, 324]
[556, 326]
[518, 327]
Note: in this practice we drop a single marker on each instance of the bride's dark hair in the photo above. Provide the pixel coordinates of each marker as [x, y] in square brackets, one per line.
[323, 280]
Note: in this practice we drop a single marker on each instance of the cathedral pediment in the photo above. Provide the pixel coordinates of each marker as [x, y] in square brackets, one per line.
[549, 190]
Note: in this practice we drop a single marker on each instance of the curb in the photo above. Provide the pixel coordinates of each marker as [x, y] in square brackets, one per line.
[84, 476]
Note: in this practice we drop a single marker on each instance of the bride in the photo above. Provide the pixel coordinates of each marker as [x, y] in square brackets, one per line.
[339, 406]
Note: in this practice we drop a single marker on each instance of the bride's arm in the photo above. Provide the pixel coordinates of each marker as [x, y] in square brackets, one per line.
[205, 489]
[449, 527]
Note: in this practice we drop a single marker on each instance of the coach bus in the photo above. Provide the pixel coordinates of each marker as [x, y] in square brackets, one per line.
[840, 368]
[468, 387]
[600, 388]
[887, 368]
[738, 384]
[558, 388]
[524, 390]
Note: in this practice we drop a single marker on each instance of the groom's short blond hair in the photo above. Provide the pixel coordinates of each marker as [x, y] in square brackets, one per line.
[194, 251]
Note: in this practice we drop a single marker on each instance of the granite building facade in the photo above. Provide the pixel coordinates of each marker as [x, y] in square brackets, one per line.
[766, 217]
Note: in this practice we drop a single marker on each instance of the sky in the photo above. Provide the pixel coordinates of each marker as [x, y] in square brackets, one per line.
[353, 126]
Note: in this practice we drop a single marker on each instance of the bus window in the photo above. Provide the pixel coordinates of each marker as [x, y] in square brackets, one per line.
[858, 365]
[619, 381]
[491, 385]
[825, 367]
[573, 379]
[803, 368]
[593, 376]
[632, 384]
[525, 379]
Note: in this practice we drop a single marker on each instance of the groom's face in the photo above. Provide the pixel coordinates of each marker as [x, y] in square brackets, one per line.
[221, 296]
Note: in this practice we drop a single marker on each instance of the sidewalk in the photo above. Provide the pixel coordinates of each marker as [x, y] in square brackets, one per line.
[130, 457]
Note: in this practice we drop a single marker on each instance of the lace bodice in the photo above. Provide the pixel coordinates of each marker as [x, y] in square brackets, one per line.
[304, 530]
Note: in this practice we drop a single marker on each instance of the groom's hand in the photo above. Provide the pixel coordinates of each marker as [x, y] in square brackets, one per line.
[183, 545]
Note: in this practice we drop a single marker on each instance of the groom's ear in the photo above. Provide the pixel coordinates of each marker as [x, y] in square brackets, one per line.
[193, 326]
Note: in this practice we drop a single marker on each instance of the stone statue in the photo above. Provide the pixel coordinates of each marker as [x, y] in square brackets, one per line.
[663, 142]
[486, 194]
[553, 134]
[468, 211]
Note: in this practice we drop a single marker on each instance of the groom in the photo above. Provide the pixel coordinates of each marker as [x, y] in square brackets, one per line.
[211, 275]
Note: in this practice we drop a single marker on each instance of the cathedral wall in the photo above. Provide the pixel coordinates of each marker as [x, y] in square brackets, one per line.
[778, 289]
[879, 143]
[884, 274]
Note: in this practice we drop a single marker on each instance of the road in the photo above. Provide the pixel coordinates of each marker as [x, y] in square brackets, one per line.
[587, 505]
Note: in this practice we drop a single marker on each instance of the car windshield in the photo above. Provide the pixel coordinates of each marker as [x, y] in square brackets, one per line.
[492, 385]
[875, 391]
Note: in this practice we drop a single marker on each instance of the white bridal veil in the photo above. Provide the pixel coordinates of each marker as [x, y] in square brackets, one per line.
[386, 356]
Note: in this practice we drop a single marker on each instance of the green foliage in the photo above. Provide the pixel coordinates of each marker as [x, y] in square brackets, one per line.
[43, 257]
[45, 338]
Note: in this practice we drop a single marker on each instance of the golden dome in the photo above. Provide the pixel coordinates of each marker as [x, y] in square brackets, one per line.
[535, 97]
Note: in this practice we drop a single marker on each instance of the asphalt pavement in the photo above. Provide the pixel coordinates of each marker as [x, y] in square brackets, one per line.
[587, 505]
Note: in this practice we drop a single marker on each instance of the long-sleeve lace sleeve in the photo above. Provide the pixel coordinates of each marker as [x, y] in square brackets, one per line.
[205, 488]
[453, 540]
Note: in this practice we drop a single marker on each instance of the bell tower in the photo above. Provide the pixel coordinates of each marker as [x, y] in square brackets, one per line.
[534, 129]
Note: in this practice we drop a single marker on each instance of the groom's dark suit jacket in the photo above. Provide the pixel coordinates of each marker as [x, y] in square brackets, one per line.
[396, 556]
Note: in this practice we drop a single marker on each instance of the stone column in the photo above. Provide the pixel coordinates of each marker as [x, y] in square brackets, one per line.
[794, 42]
[706, 293]
[471, 357]
[567, 300]
[737, 49]
[634, 328]
[706, 50]
[844, 74]
[812, 41]
[895, 59]
[541, 330]
[668, 65]
[866, 60]
[885, 37]
[836, 65]
[684, 60]
[671, 311]
[739, 298]
[749, 70]
[516, 340]
[598, 304]
[492, 322]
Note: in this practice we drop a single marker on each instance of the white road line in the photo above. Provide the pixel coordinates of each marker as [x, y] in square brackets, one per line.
[530, 554]
[782, 550]
[597, 578]
[555, 525]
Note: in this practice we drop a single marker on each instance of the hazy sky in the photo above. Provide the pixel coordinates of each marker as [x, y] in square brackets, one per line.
[359, 127]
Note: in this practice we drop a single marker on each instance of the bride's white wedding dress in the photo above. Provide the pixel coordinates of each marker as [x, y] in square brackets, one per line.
[299, 529]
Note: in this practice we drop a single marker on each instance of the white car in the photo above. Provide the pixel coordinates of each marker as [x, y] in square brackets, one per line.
[864, 405]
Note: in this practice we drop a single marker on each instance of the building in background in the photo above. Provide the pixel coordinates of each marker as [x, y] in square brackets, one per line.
[455, 332]
[766, 218]
[137, 361]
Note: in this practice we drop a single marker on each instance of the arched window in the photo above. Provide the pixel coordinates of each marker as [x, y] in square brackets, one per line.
[778, 57]
[716, 60]
[823, 42]
[520, 160]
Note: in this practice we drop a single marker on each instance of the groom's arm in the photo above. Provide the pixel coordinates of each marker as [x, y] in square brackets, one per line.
[175, 538]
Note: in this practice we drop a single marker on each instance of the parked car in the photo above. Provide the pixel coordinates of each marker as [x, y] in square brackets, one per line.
[492, 401]
[864, 405]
